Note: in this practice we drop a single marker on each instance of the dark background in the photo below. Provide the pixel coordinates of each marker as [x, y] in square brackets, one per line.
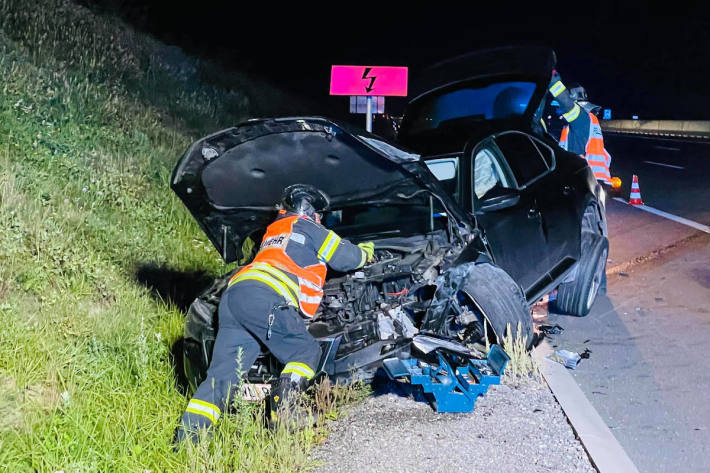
[634, 61]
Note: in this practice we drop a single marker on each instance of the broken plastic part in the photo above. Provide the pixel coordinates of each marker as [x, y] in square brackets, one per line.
[567, 358]
[551, 329]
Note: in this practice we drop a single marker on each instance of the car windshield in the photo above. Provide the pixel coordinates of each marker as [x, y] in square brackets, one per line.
[385, 220]
[468, 104]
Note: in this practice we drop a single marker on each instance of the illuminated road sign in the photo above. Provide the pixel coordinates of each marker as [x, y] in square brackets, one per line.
[377, 81]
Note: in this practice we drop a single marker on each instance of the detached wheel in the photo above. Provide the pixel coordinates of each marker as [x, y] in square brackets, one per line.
[577, 297]
[500, 300]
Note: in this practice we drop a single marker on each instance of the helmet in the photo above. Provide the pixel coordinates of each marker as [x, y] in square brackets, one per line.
[510, 101]
[304, 199]
[577, 93]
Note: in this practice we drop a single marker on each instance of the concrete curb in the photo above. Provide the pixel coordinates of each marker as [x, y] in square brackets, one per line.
[604, 450]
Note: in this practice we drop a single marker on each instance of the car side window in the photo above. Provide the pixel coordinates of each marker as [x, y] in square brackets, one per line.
[523, 156]
[488, 173]
[446, 170]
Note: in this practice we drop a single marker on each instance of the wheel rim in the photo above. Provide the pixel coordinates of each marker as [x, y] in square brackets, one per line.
[596, 281]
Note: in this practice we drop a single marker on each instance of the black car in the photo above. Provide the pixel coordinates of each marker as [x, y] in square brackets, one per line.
[476, 212]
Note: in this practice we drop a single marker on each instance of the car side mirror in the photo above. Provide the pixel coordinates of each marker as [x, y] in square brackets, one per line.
[498, 198]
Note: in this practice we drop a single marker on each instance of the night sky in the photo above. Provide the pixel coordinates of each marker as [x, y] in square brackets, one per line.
[629, 60]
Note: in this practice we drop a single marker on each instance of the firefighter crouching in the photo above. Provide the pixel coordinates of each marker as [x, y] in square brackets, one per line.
[265, 302]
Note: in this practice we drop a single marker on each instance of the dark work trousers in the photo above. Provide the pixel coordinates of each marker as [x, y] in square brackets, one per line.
[243, 323]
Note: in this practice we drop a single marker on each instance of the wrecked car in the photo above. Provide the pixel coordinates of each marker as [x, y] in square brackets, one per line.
[474, 212]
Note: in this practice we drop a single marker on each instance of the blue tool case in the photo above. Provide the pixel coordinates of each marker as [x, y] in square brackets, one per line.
[450, 380]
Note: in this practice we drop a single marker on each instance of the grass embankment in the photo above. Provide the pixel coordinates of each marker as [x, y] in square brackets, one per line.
[93, 117]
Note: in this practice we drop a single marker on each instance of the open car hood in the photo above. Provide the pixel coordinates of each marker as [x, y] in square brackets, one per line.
[232, 180]
[476, 94]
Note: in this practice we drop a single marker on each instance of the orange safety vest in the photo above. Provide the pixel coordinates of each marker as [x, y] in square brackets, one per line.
[271, 264]
[597, 157]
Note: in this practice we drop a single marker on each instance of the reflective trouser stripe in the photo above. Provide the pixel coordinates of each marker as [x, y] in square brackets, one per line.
[276, 285]
[298, 368]
[557, 88]
[572, 114]
[203, 408]
[329, 246]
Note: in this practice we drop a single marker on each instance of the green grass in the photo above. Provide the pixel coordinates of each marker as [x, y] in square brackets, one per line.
[93, 116]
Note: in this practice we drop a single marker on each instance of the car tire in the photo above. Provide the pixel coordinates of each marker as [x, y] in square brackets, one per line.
[500, 299]
[577, 297]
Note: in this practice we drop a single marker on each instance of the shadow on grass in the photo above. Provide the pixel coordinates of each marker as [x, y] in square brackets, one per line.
[177, 363]
[171, 285]
[179, 288]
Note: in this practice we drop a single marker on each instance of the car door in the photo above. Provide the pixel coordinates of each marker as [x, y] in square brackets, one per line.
[508, 212]
[533, 165]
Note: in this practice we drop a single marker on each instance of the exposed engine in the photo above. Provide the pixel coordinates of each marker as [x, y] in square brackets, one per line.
[385, 300]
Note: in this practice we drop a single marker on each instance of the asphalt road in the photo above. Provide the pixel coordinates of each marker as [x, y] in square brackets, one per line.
[674, 175]
[649, 336]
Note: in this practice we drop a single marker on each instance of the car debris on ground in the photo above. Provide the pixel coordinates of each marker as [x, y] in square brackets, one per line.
[565, 357]
[568, 358]
[551, 329]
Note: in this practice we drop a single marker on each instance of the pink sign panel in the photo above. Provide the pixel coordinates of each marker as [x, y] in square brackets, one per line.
[368, 80]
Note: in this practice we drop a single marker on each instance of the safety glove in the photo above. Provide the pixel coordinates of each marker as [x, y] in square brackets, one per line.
[369, 248]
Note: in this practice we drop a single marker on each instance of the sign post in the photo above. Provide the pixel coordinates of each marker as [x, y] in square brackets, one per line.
[368, 118]
[369, 81]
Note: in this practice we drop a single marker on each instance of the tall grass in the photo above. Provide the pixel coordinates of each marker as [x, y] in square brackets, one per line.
[92, 118]
[522, 367]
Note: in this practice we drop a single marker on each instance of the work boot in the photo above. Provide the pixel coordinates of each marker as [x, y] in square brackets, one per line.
[285, 406]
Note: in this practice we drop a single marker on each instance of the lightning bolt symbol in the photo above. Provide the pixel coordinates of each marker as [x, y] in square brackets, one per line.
[372, 79]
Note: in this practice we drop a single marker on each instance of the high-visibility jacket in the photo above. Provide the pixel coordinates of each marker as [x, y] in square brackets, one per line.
[597, 157]
[300, 285]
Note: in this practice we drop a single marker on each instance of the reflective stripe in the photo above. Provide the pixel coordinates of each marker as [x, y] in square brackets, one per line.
[328, 247]
[310, 285]
[572, 114]
[266, 279]
[557, 88]
[309, 299]
[298, 368]
[203, 408]
[283, 277]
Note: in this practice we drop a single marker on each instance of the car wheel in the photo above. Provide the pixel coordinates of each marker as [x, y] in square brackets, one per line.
[500, 301]
[577, 297]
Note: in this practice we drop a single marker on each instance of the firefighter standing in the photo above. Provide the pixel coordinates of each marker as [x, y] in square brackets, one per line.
[583, 134]
[264, 303]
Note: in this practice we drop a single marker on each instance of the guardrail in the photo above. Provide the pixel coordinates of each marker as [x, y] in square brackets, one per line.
[673, 128]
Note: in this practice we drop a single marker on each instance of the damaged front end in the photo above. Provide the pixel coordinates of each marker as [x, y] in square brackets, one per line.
[365, 316]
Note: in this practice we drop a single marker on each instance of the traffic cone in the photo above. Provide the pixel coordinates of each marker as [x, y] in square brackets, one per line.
[635, 197]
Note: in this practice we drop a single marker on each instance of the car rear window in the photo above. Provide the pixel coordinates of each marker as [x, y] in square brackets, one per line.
[468, 104]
